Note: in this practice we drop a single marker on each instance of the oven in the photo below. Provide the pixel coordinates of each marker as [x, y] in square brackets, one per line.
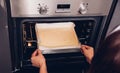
[91, 19]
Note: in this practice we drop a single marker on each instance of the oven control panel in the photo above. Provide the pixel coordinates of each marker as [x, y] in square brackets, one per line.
[48, 8]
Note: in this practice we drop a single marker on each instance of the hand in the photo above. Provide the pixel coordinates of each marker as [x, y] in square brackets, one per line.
[38, 59]
[88, 52]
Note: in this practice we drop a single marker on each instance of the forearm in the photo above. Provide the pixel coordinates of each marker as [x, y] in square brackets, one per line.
[43, 68]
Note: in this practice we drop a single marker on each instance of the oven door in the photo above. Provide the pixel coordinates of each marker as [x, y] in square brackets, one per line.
[24, 41]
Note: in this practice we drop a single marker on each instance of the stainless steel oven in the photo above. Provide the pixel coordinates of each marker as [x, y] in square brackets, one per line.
[91, 19]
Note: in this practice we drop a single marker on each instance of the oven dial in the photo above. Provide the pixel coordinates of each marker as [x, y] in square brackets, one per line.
[42, 9]
[83, 8]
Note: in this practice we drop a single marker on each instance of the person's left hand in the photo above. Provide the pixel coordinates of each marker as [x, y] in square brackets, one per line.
[88, 52]
[38, 59]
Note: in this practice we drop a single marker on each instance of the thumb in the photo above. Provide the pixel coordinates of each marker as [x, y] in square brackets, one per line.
[34, 53]
[39, 52]
[83, 49]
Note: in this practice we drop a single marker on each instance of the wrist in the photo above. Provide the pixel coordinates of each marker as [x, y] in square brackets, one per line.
[89, 60]
[43, 65]
[43, 68]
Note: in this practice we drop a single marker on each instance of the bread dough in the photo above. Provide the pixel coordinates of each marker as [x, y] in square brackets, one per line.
[56, 35]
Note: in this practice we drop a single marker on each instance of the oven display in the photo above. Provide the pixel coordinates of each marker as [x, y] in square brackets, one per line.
[63, 6]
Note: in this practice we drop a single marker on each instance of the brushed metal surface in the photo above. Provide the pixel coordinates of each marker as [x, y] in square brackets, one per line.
[30, 8]
[5, 60]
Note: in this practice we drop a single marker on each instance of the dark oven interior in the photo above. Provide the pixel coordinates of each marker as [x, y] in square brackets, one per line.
[23, 42]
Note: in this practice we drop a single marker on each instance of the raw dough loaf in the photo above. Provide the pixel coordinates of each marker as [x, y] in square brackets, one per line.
[56, 35]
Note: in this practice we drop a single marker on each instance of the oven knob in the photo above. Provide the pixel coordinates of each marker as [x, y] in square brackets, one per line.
[42, 9]
[83, 8]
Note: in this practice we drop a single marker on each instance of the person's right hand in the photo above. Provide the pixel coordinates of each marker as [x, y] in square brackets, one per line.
[38, 59]
[88, 52]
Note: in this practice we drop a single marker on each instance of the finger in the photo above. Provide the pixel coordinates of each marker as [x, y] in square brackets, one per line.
[39, 52]
[87, 47]
[34, 53]
[83, 49]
